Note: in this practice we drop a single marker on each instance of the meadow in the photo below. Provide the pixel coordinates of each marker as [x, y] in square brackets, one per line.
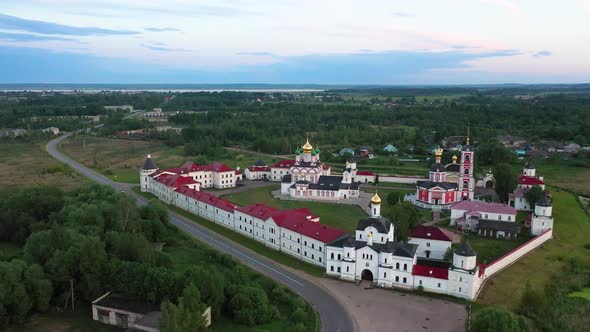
[28, 164]
[571, 232]
[120, 159]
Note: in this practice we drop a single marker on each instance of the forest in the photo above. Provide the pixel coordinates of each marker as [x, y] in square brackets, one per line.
[101, 241]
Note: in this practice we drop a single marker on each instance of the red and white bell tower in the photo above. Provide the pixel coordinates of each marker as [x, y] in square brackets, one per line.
[466, 180]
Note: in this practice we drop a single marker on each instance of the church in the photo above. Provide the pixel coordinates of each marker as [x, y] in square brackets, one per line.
[449, 183]
[308, 178]
[372, 254]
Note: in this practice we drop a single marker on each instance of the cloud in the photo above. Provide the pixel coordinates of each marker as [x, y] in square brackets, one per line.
[24, 37]
[402, 14]
[542, 53]
[161, 47]
[165, 29]
[28, 65]
[255, 53]
[8, 22]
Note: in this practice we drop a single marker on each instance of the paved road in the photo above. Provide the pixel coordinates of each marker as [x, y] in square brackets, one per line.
[333, 316]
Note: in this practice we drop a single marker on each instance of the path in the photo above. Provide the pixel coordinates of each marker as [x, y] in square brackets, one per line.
[258, 153]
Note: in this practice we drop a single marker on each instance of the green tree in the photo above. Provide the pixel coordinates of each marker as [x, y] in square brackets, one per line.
[492, 153]
[534, 195]
[505, 180]
[404, 217]
[448, 257]
[187, 316]
[394, 197]
[498, 320]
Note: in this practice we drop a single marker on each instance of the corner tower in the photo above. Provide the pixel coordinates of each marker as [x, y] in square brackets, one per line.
[148, 168]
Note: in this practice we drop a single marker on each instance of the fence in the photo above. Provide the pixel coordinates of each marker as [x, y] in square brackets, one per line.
[400, 179]
[509, 258]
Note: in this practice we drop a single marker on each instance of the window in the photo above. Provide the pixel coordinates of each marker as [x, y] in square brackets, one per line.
[320, 249]
[305, 253]
[405, 267]
[304, 243]
[347, 254]
[297, 240]
[338, 270]
[459, 289]
[332, 268]
[338, 256]
[298, 250]
[509, 218]
[385, 260]
[347, 269]
[397, 266]
[405, 280]
[360, 236]
[428, 244]
[332, 256]
[420, 282]
[320, 259]
[312, 256]
[384, 274]
[460, 279]
[467, 171]
[312, 246]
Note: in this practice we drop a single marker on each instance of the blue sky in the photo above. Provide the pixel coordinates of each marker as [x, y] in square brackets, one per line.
[285, 41]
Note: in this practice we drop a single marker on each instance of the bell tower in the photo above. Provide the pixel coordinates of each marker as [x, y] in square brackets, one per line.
[466, 180]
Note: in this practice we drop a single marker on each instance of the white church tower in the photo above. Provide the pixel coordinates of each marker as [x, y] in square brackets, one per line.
[148, 168]
[529, 169]
[464, 277]
[542, 216]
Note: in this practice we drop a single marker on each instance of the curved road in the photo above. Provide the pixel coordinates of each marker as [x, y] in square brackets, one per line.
[333, 315]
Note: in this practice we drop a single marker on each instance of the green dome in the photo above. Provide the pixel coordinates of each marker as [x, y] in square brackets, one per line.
[314, 152]
[298, 151]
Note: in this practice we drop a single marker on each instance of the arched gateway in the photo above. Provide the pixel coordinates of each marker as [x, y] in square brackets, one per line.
[367, 275]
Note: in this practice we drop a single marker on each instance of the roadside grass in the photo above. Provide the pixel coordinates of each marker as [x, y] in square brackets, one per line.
[341, 216]
[583, 294]
[121, 159]
[571, 231]
[247, 242]
[28, 164]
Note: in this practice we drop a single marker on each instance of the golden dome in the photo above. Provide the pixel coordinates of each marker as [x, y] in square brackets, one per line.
[376, 199]
[307, 148]
[438, 152]
[454, 159]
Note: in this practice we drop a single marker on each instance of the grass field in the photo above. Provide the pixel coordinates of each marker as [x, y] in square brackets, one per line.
[564, 175]
[489, 249]
[344, 217]
[28, 164]
[571, 231]
[120, 159]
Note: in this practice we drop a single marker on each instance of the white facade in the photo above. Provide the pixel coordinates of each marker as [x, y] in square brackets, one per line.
[429, 248]
[542, 219]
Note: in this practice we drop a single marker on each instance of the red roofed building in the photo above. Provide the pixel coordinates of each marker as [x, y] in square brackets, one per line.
[258, 171]
[280, 169]
[526, 181]
[433, 242]
[162, 184]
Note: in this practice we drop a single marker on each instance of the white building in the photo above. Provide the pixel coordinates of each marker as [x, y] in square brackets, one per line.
[215, 175]
[281, 169]
[542, 219]
[258, 171]
[526, 181]
[432, 242]
[467, 214]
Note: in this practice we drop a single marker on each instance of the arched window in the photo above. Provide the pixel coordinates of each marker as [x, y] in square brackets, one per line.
[467, 157]
[332, 256]
[466, 184]
[397, 266]
[405, 267]
[467, 171]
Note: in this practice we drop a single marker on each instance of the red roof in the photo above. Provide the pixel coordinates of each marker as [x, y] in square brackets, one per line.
[430, 232]
[365, 173]
[259, 168]
[303, 222]
[287, 163]
[326, 166]
[206, 198]
[238, 172]
[530, 180]
[259, 210]
[481, 206]
[430, 271]
[174, 180]
[190, 166]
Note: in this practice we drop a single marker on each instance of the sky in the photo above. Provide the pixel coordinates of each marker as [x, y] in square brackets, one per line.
[295, 42]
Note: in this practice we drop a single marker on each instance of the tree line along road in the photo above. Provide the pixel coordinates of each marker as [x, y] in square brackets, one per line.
[333, 316]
